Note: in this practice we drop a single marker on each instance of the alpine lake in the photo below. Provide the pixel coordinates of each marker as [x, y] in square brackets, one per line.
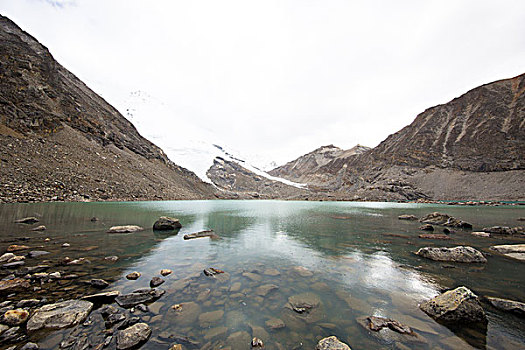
[344, 260]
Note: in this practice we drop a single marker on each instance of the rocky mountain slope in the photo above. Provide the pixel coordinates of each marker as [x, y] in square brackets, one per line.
[305, 169]
[470, 148]
[60, 140]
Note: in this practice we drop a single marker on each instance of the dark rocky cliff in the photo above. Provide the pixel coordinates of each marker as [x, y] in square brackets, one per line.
[472, 147]
[60, 140]
[482, 130]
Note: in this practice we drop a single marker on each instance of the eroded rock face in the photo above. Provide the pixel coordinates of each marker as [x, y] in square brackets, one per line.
[515, 251]
[463, 254]
[457, 306]
[444, 220]
[165, 223]
[133, 336]
[125, 229]
[331, 343]
[59, 315]
[512, 306]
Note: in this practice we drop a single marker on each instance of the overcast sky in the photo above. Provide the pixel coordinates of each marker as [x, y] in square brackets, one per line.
[281, 78]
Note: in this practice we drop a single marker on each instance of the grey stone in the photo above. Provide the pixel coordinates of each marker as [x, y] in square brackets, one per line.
[138, 297]
[457, 306]
[165, 223]
[507, 305]
[125, 229]
[59, 315]
[514, 251]
[331, 343]
[462, 254]
[133, 336]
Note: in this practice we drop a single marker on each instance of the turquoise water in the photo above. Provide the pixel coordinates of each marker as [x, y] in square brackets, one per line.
[348, 259]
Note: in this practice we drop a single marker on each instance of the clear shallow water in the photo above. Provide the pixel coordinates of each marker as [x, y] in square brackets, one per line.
[350, 259]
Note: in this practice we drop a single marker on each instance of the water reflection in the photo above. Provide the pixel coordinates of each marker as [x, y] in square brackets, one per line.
[355, 258]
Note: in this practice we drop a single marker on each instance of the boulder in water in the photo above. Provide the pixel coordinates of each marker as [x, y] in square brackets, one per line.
[463, 254]
[457, 306]
[165, 223]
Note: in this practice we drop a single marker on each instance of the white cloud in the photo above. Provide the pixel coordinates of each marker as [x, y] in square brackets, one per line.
[281, 78]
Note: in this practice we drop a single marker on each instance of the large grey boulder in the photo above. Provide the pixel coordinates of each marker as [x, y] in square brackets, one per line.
[165, 223]
[132, 336]
[463, 254]
[331, 343]
[59, 315]
[457, 306]
[444, 220]
[515, 251]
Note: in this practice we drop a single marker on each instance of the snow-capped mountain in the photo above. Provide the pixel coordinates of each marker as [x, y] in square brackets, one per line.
[186, 144]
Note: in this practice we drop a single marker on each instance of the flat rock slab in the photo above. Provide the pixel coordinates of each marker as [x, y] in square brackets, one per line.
[125, 229]
[102, 298]
[133, 336]
[457, 306]
[407, 217]
[504, 230]
[331, 343]
[462, 254]
[59, 315]
[138, 297]
[201, 234]
[515, 251]
[512, 306]
[434, 236]
[14, 285]
[29, 220]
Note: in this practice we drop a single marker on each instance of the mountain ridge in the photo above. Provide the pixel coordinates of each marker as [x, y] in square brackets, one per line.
[55, 129]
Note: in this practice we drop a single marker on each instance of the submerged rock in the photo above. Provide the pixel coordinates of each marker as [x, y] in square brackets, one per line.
[16, 248]
[165, 272]
[14, 285]
[155, 282]
[29, 220]
[407, 217]
[462, 254]
[133, 275]
[480, 234]
[434, 236]
[458, 306]
[37, 253]
[504, 230]
[512, 306]
[201, 234]
[331, 343]
[59, 315]
[133, 336]
[102, 298]
[375, 323]
[515, 251]
[165, 223]
[257, 343]
[125, 229]
[444, 220]
[99, 283]
[138, 297]
[426, 227]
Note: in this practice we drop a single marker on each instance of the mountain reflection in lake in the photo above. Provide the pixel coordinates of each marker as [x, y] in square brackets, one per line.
[342, 260]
